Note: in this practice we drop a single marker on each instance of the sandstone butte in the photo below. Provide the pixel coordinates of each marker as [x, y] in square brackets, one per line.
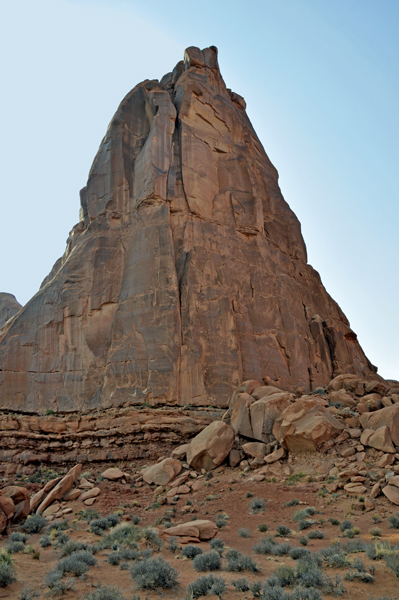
[186, 274]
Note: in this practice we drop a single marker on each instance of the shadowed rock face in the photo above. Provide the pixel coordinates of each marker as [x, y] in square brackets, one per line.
[9, 306]
[187, 272]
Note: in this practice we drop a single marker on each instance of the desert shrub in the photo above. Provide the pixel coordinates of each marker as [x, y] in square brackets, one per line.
[244, 532]
[392, 561]
[303, 593]
[88, 515]
[14, 547]
[257, 504]
[123, 534]
[61, 539]
[173, 545]
[218, 545]
[333, 521]
[220, 521]
[154, 573]
[28, 594]
[77, 563]
[293, 502]
[371, 551]
[299, 515]
[114, 558]
[360, 575]
[241, 584]
[265, 546]
[105, 593]
[375, 531]
[218, 588]
[192, 551]
[7, 574]
[135, 519]
[17, 536]
[263, 527]
[393, 522]
[305, 524]
[55, 583]
[98, 526]
[345, 525]
[152, 540]
[34, 524]
[285, 575]
[201, 586]
[297, 553]
[316, 535]
[240, 562]
[282, 531]
[336, 559]
[71, 546]
[282, 549]
[58, 526]
[308, 574]
[352, 546]
[45, 541]
[303, 540]
[208, 561]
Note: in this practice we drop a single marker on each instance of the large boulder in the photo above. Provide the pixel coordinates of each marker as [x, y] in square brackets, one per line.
[265, 411]
[392, 493]
[348, 382]
[240, 419]
[202, 530]
[163, 472]
[388, 416]
[305, 425]
[379, 439]
[21, 498]
[210, 447]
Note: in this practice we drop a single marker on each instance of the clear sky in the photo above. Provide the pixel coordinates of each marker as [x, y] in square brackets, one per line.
[320, 78]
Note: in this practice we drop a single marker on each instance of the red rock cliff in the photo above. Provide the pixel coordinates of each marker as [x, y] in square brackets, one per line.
[187, 272]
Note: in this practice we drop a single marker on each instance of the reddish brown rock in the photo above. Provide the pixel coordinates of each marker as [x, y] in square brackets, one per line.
[113, 473]
[210, 447]
[9, 306]
[41, 494]
[163, 472]
[93, 493]
[381, 440]
[392, 493]
[388, 416]
[275, 456]
[61, 488]
[240, 419]
[187, 272]
[21, 498]
[254, 449]
[265, 411]
[201, 530]
[305, 425]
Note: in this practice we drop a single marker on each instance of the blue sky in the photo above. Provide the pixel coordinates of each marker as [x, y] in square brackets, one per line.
[321, 83]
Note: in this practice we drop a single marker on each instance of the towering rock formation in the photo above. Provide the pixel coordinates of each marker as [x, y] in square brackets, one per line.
[9, 306]
[187, 272]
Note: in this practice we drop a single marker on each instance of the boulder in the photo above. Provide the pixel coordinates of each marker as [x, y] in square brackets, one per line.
[210, 447]
[392, 493]
[381, 440]
[20, 496]
[342, 398]
[305, 425]
[93, 493]
[376, 386]
[355, 488]
[180, 452]
[394, 480]
[41, 494]
[346, 381]
[201, 530]
[388, 416]
[275, 456]
[265, 411]
[366, 435]
[6, 512]
[254, 449]
[112, 474]
[234, 457]
[240, 419]
[162, 473]
[264, 390]
[61, 488]
[372, 402]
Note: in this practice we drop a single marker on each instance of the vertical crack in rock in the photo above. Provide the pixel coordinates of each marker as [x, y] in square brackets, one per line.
[186, 273]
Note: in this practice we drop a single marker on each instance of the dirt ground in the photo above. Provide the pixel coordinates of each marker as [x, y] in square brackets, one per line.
[227, 491]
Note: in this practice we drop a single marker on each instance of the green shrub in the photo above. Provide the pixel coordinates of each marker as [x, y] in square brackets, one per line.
[28, 594]
[77, 563]
[14, 547]
[282, 531]
[282, 549]
[392, 561]
[17, 536]
[345, 525]
[241, 585]
[34, 524]
[299, 515]
[316, 535]
[218, 545]
[305, 524]
[45, 541]
[55, 583]
[240, 562]
[105, 593]
[265, 546]
[154, 573]
[263, 527]
[152, 540]
[209, 561]
[375, 531]
[293, 502]
[285, 575]
[206, 584]
[297, 553]
[58, 526]
[244, 532]
[173, 546]
[393, 522]
[303, 540]
[257, 505]
[220, 521]
[333, 521]
[191, 551]
[7, 574]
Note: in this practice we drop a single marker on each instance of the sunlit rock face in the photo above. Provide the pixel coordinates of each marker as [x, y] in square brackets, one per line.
[9, 306]
[187, 272]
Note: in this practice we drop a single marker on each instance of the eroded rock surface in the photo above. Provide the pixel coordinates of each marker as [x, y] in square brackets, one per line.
[9, 306]
[186, 274]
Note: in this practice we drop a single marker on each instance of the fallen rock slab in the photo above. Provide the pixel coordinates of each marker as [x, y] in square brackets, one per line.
[61, 488]
[41, 494]
[305, 425]
[201, 530]
[21, 499]
[388, 416]
[254, 449]
[381, 440]
[163, 472]
[210, 447]
[264, 412]
[355, 488]
[392, 493]
[92, 493]
[276, 455]
[112, 474]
